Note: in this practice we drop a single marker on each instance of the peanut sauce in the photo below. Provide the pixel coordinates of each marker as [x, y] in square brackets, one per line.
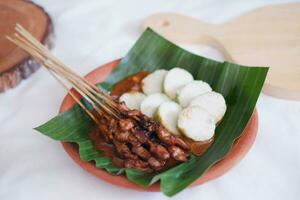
[133, 83]
[130, 83]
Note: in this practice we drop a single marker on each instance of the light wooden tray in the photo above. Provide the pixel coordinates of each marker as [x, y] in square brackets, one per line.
[269, 36]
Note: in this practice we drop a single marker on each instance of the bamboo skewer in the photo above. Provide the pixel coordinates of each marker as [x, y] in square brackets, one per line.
[71, 76]
[63, 67]
[75, 98]
[48, 53]
[100, 101]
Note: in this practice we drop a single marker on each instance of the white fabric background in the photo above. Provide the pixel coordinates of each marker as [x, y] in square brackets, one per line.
[90, 33]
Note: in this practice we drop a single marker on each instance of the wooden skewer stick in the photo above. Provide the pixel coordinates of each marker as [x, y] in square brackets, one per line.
[50, 69]
[97, 97]
[47, 63]
[92, 88]
[40, 48]
[97, 91]
[75, 98]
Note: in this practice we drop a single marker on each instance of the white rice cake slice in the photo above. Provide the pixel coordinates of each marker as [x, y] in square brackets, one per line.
[133, 100]
[175, 79]
[196, 123]
[212, 102]
[152, 102]
[153, 83]
[191, 90]
[167, 114]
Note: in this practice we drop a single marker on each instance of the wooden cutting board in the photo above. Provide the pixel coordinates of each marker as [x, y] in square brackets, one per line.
[15, 64]
[268, 36]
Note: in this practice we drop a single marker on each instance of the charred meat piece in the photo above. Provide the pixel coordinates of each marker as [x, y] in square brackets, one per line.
[141, 142]
[141, 152]
[137, 164]
[105, 130]
[177, 153]
[148, 123]
[126, 124]
[124, 151]
[156, 164]
[159, 151]
[123, 136]
[141, 135]
[169, 139]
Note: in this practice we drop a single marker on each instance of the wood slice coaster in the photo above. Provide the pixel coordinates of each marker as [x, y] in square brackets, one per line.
[15, 64]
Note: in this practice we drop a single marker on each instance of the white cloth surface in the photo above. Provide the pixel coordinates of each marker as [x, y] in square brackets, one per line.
[91, 33]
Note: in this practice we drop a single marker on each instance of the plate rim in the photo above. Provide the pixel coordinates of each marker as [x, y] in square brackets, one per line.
[240, 147]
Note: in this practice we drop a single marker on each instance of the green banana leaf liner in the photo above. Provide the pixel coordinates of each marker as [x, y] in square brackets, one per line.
[240, 85]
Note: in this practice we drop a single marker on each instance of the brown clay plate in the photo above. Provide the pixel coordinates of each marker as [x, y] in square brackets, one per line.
[239, 150]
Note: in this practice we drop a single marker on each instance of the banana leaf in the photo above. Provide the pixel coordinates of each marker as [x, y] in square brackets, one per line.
[240, 85]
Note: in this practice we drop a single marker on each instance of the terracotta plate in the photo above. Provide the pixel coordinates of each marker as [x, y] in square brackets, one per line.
[239, 150]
